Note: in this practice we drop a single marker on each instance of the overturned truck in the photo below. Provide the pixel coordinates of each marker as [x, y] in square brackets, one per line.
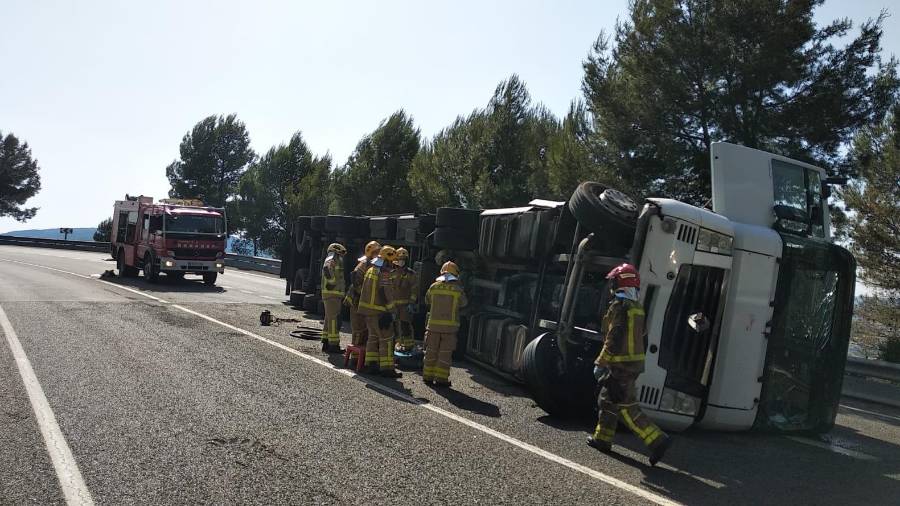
[759, 271]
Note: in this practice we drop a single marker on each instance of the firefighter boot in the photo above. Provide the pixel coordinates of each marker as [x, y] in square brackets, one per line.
[599, 444]
[659, 450]
[324, 344]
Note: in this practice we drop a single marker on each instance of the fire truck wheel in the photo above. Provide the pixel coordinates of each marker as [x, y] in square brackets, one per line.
[545, 376]
[125, 271]
[151, 271]
[209, 278]
[604, 210]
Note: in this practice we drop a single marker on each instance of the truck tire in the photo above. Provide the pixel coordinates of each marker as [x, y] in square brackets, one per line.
[151, 271]
[297, 297]
[546, 379]
[310, 303]
[458, 218]
[317, 223]
[175, 276]
[125, 271]
[601, 209]
[454, 239]
[209, 278]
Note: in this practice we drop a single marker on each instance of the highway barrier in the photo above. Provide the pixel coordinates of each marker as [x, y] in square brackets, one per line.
[54, 243]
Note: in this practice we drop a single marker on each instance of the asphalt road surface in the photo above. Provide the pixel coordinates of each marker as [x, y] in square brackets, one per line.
[120, 392]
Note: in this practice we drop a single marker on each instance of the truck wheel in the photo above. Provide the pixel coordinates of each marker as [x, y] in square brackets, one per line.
[602, 209]
[177, 276]
[545, 375]
[151, 271]
[125, 270]
[454, 239]
[209, 278]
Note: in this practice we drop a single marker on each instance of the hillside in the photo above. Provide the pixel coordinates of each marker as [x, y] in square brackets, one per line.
[78, 234]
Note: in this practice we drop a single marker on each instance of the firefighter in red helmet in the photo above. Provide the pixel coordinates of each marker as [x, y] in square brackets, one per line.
[620, 363]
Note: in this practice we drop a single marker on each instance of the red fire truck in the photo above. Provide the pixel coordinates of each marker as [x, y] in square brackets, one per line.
[172, 236]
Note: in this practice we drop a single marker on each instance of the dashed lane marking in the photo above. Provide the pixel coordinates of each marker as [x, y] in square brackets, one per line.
[552, 457]
[70, 481]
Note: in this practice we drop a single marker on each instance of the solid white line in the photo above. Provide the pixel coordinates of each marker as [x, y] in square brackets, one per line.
[873, 413]
[45, 267]
[645, 494]
[132, 290]
[67, 472]
[597, 475]
[245, 273]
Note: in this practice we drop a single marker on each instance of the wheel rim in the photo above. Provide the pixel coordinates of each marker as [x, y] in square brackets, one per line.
[619, 203]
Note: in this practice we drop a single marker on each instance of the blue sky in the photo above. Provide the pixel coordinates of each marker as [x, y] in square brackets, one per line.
[104, 91]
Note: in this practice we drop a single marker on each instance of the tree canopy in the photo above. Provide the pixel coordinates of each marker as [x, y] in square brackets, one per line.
[104, 231]
[677, 76]
[214, 154]
[375, 179]
[19, 178]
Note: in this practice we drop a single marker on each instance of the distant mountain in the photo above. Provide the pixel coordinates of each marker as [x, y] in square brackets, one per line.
[78, 234]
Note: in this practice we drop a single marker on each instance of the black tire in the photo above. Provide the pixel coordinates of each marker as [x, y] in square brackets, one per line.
[310, 303]
[454, 239]
[151, 270]
[209, 278]
[601, 209]
[317, 223]
[297, 297]
[547, 380]
[176, 276]
[457, 218]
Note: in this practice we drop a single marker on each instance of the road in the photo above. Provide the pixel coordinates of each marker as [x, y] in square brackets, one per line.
[173, 393]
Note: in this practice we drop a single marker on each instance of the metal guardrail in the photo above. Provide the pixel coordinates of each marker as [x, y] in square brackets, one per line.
[54, 243]
[261, 264]
[873, 369]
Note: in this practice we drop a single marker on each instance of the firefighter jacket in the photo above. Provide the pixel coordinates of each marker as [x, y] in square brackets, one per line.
[405, 282]
[356, 279]
[446, 298]
[377, 293]
[623, 345]
[333, 284]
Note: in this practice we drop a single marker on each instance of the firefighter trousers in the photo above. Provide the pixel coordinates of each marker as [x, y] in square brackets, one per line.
[331, 331]
[357, 327]
[439, 347]
[380, 345]
[404, 330]
[618, 400]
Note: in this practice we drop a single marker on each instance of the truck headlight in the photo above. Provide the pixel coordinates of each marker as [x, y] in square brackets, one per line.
[169, 263]
[714, 242]
[219, 265]
[674, 401]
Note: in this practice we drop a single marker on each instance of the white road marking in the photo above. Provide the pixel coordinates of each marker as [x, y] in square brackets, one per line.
[267, 297]
[873, 413]
[260, 276]
[552, 457]
[70, 481]
[597, 475]
[248, 292]
[45, 267]
[834, 448]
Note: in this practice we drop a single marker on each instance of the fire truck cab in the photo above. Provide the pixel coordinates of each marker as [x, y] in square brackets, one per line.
[172, 236]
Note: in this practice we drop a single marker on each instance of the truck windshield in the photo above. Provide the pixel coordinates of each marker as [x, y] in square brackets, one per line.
[194, 224]
[810, 334]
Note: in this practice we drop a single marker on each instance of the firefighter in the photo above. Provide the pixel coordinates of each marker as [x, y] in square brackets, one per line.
[445, 298]
[618, 366]
[358, 321]
[333, 288]
[405, 283]
[376, 304]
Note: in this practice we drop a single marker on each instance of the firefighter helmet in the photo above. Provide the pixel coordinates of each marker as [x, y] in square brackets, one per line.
[337, 248]
[388, 253]
[451, 268]
[625, 276]
[372, 249]
[402, 254]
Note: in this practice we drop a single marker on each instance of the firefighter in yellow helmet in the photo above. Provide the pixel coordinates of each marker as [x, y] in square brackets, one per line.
[376, 304]
[618, 366]
[445, 298]
[405, 282]
[333, 292]
[358, 321]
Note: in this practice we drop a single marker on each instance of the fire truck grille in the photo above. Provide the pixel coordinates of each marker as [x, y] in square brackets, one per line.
[194, 253]
[684, 352]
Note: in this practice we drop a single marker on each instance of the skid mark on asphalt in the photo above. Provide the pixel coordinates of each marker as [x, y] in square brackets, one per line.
[552, 457]
[70, 480]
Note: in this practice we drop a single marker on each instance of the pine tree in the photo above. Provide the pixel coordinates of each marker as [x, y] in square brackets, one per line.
[19, 178]
[104, 231]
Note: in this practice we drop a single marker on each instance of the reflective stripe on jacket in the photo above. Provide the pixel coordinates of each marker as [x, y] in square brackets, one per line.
[624, 340]
[333, 284]
[446, 298]
[405, 282]
[377, 291]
